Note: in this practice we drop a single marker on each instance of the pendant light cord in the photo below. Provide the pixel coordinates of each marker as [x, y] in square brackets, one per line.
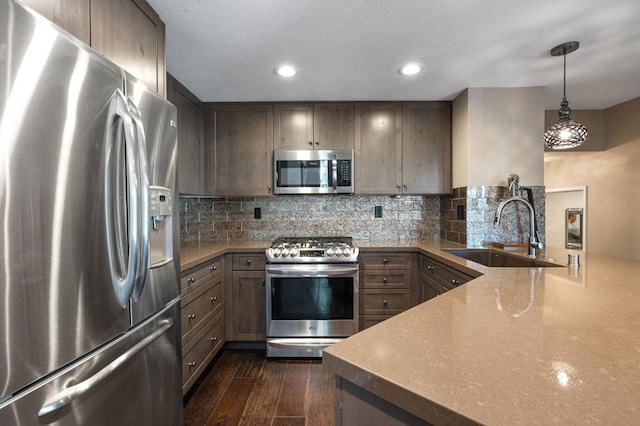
[564, 79]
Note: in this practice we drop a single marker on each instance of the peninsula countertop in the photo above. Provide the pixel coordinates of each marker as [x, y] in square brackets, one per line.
[552, 345]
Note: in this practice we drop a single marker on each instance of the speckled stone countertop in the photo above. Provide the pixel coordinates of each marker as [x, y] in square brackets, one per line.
[513, 346]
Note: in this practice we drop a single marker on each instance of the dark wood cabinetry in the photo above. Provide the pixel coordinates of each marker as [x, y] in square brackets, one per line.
[240, 143]
[437, 278]
[313, 126]
[385, 286]
[190, 136]
[403, 148]
[202, 318]
[248, 297]
[129, 32]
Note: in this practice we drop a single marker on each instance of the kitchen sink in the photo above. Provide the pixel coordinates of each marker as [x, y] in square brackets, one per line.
[500, 259]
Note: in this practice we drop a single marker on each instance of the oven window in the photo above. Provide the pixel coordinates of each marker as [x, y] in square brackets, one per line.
[303, 174]
[312, 298]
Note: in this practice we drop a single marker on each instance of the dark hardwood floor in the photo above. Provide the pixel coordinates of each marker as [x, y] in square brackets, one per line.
[246, 388]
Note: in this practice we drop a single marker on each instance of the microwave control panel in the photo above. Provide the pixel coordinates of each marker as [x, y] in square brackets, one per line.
[344, 172]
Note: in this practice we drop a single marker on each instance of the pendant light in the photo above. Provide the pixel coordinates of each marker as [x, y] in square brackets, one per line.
[566, 133]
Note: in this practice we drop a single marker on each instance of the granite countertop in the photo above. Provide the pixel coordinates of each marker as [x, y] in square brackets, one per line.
[513, 346]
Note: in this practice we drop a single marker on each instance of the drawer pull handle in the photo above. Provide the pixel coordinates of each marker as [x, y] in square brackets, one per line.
[192, 316]
[214, 299]
[192, 364]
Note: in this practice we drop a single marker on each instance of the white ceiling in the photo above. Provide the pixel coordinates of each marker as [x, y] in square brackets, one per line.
[226, 50]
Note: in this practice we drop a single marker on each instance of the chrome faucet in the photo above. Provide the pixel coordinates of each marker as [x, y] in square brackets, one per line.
[534, 243]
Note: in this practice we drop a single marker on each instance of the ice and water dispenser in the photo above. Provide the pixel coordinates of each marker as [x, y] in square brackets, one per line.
[161, 232]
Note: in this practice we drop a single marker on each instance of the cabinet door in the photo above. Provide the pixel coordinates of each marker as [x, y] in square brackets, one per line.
[378, 148]
[429, 287]
[249, 305]
[131, 34]
[333, 125]
[240, 139]
[71, 15]
[190, 147]
[293, 126]
[426, 147]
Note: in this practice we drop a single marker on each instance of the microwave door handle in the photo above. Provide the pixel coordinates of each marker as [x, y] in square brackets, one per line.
[334, 170]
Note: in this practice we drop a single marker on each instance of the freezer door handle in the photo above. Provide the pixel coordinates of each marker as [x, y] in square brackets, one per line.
[66, 397]
[144, 214]
[120, 171]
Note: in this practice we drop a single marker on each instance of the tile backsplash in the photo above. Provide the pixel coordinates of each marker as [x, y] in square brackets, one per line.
[219, 219]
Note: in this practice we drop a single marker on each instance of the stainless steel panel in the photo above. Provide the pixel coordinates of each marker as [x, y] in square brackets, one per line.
[58, 121]
[158, 120]
[135, 380]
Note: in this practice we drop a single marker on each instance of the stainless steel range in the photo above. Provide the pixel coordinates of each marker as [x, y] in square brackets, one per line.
[312, 294]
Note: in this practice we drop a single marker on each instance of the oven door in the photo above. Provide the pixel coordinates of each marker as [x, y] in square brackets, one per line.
[310, 307]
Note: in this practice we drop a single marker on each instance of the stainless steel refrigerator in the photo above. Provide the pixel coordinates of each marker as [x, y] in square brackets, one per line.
[89, 258]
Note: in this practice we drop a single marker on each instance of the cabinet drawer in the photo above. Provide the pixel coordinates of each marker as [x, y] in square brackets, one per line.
[367, 321]
[448, 277]
[248, 262]
[198, 353]
[386, 279]
[381, 302]
[385, 261]
[199, 306]
[195, 277]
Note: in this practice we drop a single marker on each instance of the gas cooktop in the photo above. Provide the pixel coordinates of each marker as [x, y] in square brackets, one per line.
[312, 250]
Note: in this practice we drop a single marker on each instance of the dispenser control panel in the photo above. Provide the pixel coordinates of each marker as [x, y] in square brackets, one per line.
[161, 201]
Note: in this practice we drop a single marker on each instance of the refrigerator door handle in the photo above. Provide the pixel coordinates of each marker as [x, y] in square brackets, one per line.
[144, 197]
[66, 397]
[122, 277]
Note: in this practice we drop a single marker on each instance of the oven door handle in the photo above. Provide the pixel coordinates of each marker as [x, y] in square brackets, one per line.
[302, 343]
[333, 272]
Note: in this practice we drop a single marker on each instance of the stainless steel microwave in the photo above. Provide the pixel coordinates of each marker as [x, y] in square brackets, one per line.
[313, 172]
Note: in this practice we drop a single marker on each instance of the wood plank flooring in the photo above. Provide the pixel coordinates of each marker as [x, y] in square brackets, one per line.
[246, 388]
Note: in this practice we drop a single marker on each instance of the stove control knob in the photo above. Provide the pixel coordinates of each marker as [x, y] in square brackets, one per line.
[285, 252]
[346, 252]
[338, 251]
[277, 252]
[330, 252]
[293, 252]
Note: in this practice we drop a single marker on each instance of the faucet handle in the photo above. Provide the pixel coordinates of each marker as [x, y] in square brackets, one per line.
[540, 244]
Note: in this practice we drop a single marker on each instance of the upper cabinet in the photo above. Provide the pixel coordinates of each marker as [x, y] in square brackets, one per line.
[71, 15]
[131, 34]
[190, 138]
[403, 148]
[128, 32]
[426, 147]
[240, 141]
[313, 126]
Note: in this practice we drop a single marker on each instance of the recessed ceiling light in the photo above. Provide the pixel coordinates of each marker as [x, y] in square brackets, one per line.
[286, 71]
[410, 69]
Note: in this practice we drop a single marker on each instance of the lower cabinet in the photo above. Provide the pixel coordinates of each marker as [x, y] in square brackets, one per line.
[202, 318]
[437, 278]
[248, 297]
[385, 286]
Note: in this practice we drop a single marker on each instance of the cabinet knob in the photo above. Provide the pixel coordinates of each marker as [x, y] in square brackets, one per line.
[192, 364]
[398, 186]
[310, 142]
[248, 261]
[317, 143]
[385, 260]
[213, 268]
[214, 339]
[192, 280]
[404, 186]
[384, 279]
[192, 316]
[214, 298]
[384, 302]
[269, 188]
[429, 268]
[455, 283]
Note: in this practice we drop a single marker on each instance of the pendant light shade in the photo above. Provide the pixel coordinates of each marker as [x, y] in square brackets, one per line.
[566, 133]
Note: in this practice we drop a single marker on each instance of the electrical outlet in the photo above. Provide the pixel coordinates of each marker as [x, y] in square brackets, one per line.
[378, 211]
[460, 212]
[257, 213]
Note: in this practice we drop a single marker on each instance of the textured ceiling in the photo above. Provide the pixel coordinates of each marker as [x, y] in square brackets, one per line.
[225, 50]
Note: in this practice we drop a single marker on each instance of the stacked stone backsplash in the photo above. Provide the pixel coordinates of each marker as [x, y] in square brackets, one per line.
[220, 219]
[479, 203]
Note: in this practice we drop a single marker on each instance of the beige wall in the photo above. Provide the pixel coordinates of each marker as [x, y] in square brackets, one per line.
[496, 132]
[613, 181]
